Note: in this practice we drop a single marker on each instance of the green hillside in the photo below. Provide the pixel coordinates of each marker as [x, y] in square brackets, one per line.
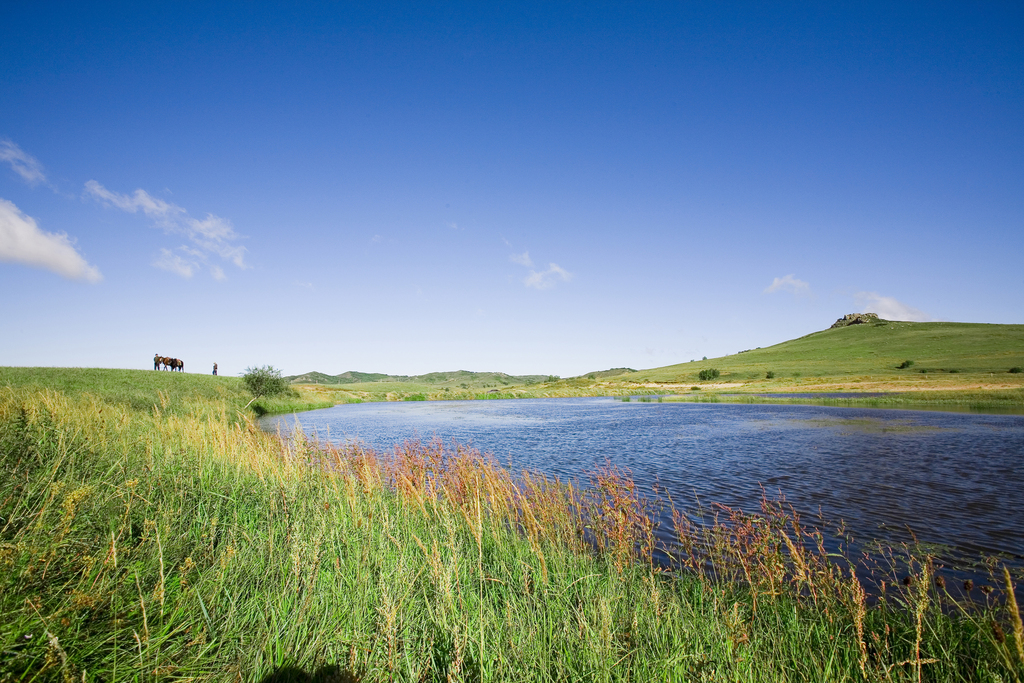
[872, 352]
[169, 393]
[350, 377]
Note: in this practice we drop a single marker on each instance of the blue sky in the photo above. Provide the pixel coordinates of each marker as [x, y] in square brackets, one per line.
[529, 188]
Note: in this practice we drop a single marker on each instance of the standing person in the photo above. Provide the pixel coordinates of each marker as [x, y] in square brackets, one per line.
[214, 368]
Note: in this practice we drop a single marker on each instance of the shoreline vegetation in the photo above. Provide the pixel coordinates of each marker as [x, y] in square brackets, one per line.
[149, 530]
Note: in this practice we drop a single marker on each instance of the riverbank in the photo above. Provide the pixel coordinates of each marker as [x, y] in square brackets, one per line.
[969, 393]
[166, 537]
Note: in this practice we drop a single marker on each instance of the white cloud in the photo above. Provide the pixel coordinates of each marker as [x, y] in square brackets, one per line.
[522, 259]
[212, 235]
[889, 308]
[547, 278]
[788, 284]
[23, 163]
[21, 241]
[542, 279]
[174, 263]
[186, 262]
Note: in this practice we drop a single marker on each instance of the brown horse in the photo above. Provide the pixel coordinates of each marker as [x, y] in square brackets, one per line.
[167, 363]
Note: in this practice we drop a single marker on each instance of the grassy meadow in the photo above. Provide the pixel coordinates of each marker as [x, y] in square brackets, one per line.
[150, 531]
[943, 355]
[163, 391]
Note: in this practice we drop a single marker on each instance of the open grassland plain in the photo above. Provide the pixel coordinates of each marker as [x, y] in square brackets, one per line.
[153, 532]
[956, 365]
[350, 387]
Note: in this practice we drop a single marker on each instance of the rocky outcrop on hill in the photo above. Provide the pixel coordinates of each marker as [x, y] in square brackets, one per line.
[855, 319]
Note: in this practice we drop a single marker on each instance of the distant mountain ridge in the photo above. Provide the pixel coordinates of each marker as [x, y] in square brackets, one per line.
[453, 377]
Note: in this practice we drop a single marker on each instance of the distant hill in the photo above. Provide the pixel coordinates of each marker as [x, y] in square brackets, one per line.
[349, 377]
[874, 349]
[606, 374]
[453, 378]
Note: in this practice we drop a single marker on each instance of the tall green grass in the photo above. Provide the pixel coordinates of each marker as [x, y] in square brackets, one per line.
[165, 392]
[174, 540]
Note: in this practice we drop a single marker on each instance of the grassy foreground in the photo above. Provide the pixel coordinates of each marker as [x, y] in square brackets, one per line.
[159, 535]
[171, 393]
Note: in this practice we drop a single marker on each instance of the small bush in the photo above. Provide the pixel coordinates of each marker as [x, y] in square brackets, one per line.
[769, 375]
[694, 388]
[1016, 368]
[904, 365]
[954, 371]
[709, 374]
[415, 397]
[263, 382]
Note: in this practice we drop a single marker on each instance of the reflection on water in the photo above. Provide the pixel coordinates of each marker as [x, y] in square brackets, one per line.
[950, 479]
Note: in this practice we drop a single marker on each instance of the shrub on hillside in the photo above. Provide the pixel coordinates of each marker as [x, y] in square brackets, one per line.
[769, 375]
[264, 381]
[904, 365]
[709, 374]
[1016, 369]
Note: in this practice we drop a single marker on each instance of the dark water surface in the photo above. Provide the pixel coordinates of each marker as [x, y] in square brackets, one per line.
[952, 479]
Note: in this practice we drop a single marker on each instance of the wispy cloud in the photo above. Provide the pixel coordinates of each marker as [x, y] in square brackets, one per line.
[173, 263]
[788, 283]
[211, 235]
[522, 259]
[547, 278]
[539, 279]
[21, 241]
[23, 163]
[889, 308]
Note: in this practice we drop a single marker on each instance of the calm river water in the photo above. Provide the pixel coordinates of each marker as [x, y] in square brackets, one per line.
[955, 480]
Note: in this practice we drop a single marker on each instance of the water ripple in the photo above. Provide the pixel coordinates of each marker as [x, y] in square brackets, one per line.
[951, 479]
